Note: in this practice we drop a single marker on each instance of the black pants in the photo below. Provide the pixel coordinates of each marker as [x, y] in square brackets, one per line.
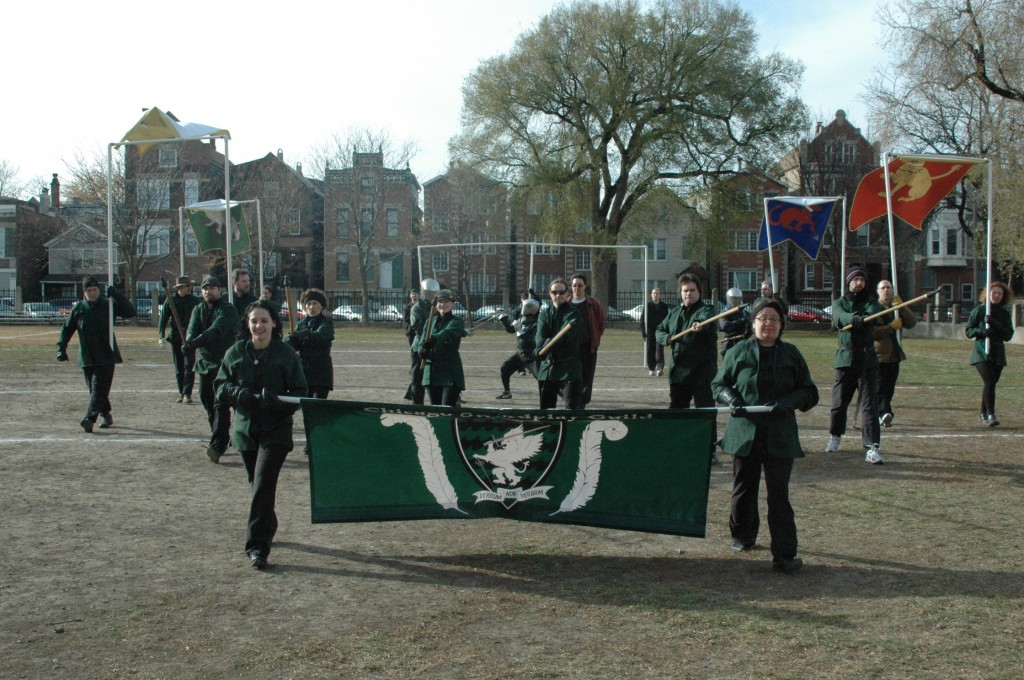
[514, 364]
[655, 353]
[744, 520]
[183, 368]
[98, 380]
[989, 373]
[863, 377]
[680, 395]
[263, 466]
[415, 391]
[887, 375]
[444, 395]
[217, 412]
[571, 392]
[588, 362]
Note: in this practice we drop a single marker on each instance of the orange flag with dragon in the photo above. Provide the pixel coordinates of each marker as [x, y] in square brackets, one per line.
[917, 186]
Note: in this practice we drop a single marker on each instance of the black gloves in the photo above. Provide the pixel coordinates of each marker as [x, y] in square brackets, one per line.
[982, 333]
[506, 323]
[187, 346]
[424, 353]
[429, 343]
[246, 400]
[731, 398]
[62, 354]
[857, 321]
[298, 339]
[272, 404]
[111, 291]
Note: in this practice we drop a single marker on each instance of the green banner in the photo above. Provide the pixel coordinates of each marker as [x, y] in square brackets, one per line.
[624, 469]
[208, 226]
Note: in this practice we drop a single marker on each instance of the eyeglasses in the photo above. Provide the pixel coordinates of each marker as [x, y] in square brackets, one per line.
[558, 292]
[774, 320]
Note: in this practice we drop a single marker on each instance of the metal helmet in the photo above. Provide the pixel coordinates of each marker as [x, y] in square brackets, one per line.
[530, 306]
[734, 296]
[429, 288]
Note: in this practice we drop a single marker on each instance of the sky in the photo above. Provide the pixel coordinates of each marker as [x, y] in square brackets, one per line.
[291, 75]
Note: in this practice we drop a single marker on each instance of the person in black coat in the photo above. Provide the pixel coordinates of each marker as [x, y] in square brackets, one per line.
[184, 362]
[655, 312]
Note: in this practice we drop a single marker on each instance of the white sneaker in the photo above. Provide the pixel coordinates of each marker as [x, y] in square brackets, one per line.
[650, 374]
[873, 456]
[833, 443]
[658, 373]
[885, 420]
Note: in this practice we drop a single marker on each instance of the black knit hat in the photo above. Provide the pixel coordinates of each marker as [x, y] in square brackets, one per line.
[90, 282]
[854, 273]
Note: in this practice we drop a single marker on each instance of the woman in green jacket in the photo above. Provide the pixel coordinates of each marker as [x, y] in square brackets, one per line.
[765, 371]
[443, 378]
[312, 339]
[990, 358]
[255, 372]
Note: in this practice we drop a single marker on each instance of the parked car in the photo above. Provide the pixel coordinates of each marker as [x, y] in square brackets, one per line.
[386, 313]
[459, 310]
[348, 313]
[40, 310]
[144, 308]
[613, 314]
[6, 309]
[806, 313]
[488, 311]
[635, 313]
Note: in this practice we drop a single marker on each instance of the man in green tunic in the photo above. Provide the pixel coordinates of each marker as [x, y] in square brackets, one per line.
[97, 354]
[559, 371]
[443, 377]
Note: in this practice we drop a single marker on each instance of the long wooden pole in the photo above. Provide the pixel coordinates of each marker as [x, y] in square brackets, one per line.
[292, 312]
[174, 310]
[892, 309]
[558, 336]
[427, 329]
[705, 322]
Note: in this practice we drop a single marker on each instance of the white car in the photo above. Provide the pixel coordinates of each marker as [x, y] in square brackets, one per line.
[634, 313]
[386, 313]
[348, 313]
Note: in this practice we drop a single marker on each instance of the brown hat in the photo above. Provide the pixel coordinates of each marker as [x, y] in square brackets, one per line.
[183, 282]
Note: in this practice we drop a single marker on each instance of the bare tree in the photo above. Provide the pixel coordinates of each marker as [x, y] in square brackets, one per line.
[137, 229]
[11, 185]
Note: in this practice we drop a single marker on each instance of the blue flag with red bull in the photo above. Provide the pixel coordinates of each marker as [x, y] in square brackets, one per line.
[799, 219]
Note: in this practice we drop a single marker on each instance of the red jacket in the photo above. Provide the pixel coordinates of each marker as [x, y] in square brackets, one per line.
[598, 321]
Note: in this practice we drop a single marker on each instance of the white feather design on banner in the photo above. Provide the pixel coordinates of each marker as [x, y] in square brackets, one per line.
[590, 463]
[431, 461]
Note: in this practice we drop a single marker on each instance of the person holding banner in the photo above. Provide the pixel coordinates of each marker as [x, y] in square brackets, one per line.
[183, 302]
[212, 330]
[443, 378]
[654, 313]
[97, 351]
[559, 371]
[991, 330]
[256, 371]
[764, 370]
[887, 347]
[312, 339]
[856, 365]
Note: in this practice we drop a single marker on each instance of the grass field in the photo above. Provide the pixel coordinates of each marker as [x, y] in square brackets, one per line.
[121, 552]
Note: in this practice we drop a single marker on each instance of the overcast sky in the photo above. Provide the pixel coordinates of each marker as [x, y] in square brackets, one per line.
[289, 75]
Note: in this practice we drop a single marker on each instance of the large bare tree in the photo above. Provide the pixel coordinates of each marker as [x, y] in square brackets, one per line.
[601, 102]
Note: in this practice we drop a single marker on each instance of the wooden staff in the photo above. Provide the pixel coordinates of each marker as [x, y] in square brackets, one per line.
[291, 310]
[705, 322]
[427, 328]
[558, 336]
[174, 310]
[892, 309]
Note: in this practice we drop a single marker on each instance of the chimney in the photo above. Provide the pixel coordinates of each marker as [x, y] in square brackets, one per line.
[280, 155]
[817, 128]
[44, 200]
[55, 194]
[298, 168]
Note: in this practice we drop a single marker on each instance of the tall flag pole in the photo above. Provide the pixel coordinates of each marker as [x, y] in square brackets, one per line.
[767, 233]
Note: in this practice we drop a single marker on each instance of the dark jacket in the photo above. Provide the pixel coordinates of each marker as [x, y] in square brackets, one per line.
[91, 320]
[184, 306]
[443, 365]
[241, 302]
[857, 345]
[692, 359]
[312, 339]
[563, 361]
[597, 321]
[654, 314]
[1001, 323]
[418, 316]
[212, 329]
[787, 381]
[265, 424]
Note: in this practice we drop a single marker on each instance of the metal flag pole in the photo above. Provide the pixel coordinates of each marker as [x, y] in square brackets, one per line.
[110, 242]
[228, 230]
[771, 258]
[181, 240]
[892, 223]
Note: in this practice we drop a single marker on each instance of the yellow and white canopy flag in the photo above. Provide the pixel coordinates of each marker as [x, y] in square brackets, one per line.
[155, 124]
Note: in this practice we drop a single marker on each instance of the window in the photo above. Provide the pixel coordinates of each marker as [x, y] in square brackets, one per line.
[744, 279]
[294, 222]
[3, 243]
[341, 221]
[947, 292]
[927, 278]
[272, 264]
[582, 260]
[341, 266]
[480, 238]
[952, 242]
[191, 191]
[840, 152]
[271, 188]
[153, 194]
[808, 276]
[659, 249]
[392, 230]
[366, 185]
[863, 237]
[439, 261]
[744, 240]
[967, 292]
[366, 222]
[936, 242]
[439, 221]
[157, 242]
[191, 245]
[685, 247]
[542, 249]
[168, 157]
[479, 283]
[826, 278]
